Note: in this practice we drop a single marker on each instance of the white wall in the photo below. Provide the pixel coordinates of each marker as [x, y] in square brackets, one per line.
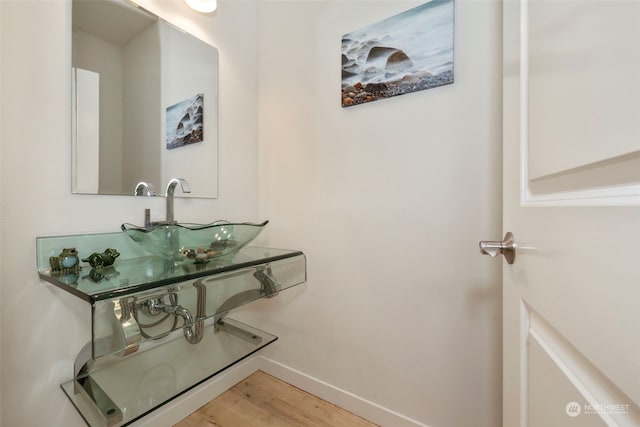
[94, 54]
[141, 111]
[2, 108]
[388, 200]
[190, 67]
[42, 328]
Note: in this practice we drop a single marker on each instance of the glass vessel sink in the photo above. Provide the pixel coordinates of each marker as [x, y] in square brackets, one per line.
[198, 242]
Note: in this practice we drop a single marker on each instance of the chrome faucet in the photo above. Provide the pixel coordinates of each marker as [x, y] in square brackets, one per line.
[186, 188]
[142, 186]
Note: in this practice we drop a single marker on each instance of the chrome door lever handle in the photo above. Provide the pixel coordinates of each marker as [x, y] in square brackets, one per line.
[507, 248]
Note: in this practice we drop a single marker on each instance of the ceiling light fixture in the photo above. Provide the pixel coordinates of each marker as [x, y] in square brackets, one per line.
[204, 6]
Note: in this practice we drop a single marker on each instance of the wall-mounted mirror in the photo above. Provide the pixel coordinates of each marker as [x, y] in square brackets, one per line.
[145, 102]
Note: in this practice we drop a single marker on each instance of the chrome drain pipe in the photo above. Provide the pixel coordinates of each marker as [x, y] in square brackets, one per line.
[193, 328]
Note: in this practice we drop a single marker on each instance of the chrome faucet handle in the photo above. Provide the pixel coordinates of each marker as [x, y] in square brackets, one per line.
[171, 187]
[184, 186]
[142, 186]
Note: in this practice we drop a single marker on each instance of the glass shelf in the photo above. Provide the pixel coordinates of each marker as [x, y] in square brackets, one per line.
[129, 276]
[121, 324]
[118, 394]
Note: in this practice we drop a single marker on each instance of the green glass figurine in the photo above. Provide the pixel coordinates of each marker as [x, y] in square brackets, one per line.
[66, 261]
[105, 259]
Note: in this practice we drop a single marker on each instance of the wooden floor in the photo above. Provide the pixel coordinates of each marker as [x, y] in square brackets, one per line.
[261, 400]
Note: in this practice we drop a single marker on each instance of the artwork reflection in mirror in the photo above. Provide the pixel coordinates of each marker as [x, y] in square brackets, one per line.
[184, 122]
[131, 73]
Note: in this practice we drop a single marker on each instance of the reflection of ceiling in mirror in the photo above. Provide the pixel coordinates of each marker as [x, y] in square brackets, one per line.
[115, 21]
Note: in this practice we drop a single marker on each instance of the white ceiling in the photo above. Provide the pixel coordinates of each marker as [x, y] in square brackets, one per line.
[115, 21]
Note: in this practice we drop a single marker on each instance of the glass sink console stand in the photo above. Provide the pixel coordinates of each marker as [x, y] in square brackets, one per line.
[160, 328]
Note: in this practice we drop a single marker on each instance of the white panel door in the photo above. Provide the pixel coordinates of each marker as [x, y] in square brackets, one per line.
[572, 201]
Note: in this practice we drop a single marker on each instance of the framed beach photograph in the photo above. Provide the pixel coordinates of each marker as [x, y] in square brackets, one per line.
[405, 53]
[184, 122]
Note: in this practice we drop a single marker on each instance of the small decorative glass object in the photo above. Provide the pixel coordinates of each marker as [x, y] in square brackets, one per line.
[65, 262]
[98, 260]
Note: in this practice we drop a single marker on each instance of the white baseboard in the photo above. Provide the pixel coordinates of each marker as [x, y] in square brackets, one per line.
[364, 408]
[183, 406]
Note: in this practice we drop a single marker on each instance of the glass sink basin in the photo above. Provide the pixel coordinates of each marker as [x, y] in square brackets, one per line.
[198, 242]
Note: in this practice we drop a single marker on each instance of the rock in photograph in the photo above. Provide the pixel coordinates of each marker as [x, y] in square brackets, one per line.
[405, 53]
[185, 123]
